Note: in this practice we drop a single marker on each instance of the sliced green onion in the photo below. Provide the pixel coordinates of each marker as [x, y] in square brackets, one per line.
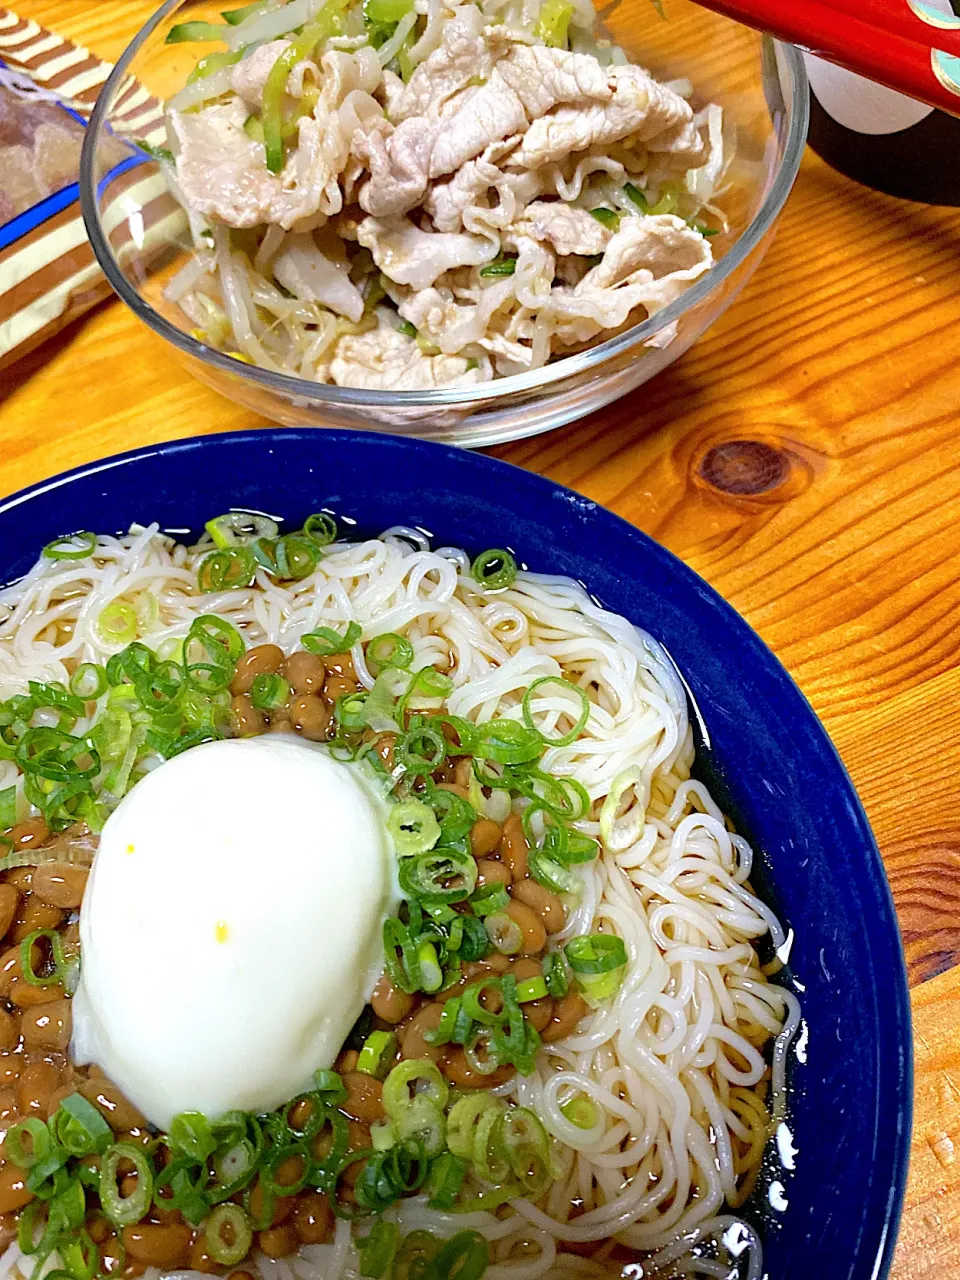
[117, 623]
[386, 1176]
[390, 650]
[325, 641]
[296, 558]
[222, 570]
[27, 1143]
[378, 1249]
[191, 1135]
[422, 1122]
[599, 962]
[502, 265]
[579, 717]
[386, 11]
[504, 932]
[206, 67]
[123, 1211]
[608, 811]
[221, 640]
[465, 1256]
[208, 677]
[668, 202]
[278, 1155]
[607, 218]
[79, 1127]
[88, 682]
[494, 570]
[474, 1007]
[187, 1185]
[580, 848]
[185, 32]
[269, 691]
[422, 749]
[406, 328]
[130, 664]
[27, 1231]
[463, 1119]
[329, 1082]
[237, 527]
[68, 1206]
[380, 705]
[534, 988]
[235, 16]
[80, 1256]
[72, 546]
[528, 1149]
[320, 528]
[551, 875]
[8, 807]
[414, 827]
[414, 1077]
[507, 742]
[431, 974]
[276, 84]
[554, 23]
[446, 1178]
[382, 1136]
[228, 1235]
[490, 1160]
[59, 965]
[403, 968]
[350, 711]
[456, 815]
[442, 875]
[555, 974]
[155, 153]
[445, 1030]
[426, 683]
[638, 198]
[580, 1111]
[376, 1056]
[490, 900]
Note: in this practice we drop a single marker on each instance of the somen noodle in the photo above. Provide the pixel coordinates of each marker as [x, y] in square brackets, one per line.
[661, 1101]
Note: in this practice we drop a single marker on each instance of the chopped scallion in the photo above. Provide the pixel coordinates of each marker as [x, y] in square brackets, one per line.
[494, 570]
[228, 1234]
[72, 546]
[270, 691]
[413, 826]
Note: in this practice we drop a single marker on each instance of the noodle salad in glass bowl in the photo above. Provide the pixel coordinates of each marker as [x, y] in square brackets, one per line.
[465, 221]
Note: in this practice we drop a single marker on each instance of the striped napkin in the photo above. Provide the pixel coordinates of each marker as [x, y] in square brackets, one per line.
[48, 273]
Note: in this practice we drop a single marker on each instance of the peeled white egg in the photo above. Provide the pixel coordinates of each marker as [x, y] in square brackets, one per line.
[231, 927]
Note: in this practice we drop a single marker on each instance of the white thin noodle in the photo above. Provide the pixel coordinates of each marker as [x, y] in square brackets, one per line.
[676, 1064]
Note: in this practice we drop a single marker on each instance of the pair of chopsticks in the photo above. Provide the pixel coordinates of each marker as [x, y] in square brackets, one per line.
[907, 45]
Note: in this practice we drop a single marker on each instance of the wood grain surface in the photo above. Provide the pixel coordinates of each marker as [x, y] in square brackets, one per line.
[802, 457]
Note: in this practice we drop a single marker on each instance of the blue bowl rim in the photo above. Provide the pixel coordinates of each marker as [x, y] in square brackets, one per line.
[485, 394]
[895, 1062]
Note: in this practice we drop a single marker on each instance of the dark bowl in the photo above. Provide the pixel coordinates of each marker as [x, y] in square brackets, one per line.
[764, 750]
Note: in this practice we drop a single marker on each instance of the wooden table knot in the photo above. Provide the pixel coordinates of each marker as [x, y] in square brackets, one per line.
[744, 467]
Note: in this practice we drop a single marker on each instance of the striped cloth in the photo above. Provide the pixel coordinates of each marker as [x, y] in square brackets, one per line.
[48, 273]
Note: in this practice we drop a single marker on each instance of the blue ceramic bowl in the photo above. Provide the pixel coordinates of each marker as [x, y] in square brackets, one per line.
[768, 755]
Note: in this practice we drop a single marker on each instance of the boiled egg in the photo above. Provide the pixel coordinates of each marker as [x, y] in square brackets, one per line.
[231, 930]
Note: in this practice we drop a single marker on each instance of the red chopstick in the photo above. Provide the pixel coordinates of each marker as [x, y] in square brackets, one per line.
[901, 18]
[883, 40]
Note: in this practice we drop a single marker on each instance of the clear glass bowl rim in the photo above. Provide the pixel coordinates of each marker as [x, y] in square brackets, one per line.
[484, 394]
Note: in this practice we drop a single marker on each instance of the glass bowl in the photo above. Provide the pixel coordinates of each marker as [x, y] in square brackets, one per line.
[139, 233]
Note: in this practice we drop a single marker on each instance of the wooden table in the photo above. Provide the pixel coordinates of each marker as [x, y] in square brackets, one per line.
[802, 458]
